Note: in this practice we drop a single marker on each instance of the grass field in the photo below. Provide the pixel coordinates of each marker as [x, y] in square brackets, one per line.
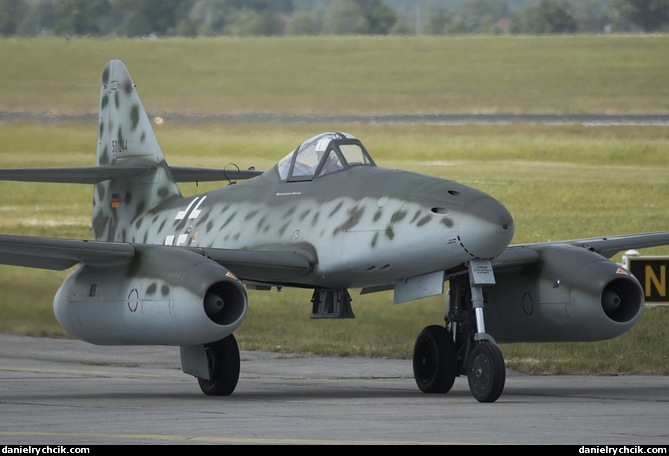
[559, 181]
[551, 74]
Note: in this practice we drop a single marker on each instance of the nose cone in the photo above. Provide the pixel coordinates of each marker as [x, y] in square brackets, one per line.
[486, 228]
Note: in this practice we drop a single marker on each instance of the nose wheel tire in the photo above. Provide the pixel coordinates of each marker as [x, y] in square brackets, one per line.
[486, 372]
[435, 360]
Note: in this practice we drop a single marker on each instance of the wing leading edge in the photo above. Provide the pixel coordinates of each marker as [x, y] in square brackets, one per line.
[264, 265]
[60, 254]
[607, 246]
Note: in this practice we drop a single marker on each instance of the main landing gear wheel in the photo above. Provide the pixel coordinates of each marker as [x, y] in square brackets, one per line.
[486, 372]
[435, 363]
[224, 366]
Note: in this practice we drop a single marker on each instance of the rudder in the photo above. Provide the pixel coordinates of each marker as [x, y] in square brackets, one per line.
[126, 138]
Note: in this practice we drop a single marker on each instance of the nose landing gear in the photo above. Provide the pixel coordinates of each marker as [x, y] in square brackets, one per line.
[462, 347]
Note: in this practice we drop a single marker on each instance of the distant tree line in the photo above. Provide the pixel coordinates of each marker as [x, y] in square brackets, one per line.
[190, 18]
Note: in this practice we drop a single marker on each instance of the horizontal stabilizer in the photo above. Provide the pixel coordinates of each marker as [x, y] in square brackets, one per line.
[74, 175]
[96, 174]
[185, 174]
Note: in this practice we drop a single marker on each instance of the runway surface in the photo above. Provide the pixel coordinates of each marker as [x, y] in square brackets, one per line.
[66, 392]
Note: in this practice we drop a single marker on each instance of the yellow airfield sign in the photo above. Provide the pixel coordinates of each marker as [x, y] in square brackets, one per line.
[651, 272]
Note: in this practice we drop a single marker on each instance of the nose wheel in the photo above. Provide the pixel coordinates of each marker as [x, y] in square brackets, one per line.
[486, 372]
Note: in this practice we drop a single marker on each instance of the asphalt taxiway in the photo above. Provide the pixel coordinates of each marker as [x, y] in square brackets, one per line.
[67, 392]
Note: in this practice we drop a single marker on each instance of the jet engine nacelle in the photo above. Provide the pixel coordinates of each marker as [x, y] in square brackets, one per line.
[570, 294]
[162, 297]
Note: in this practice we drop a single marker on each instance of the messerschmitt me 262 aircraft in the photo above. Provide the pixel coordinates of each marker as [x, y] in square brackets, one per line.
[165, 269]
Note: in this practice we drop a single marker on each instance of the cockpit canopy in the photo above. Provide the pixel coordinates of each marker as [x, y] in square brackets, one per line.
[323, 154]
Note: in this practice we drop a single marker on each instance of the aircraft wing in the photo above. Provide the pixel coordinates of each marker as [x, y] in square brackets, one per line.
[95, 174]
[610, 245]
[263, 265]
[60, 254]
[606, 246]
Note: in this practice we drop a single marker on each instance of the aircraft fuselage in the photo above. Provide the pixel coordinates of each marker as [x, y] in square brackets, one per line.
[364, 225]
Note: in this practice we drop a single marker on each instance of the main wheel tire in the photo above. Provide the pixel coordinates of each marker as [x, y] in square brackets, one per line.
[435, 363]
[224, 367]
[486, 372]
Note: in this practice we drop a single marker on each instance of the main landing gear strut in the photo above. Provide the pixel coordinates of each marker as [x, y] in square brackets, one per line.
[462, 347]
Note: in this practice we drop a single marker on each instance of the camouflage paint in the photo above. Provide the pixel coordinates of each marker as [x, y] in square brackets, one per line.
[366, 225]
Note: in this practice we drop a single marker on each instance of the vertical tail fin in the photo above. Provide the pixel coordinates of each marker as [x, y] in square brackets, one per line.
[126, 138]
